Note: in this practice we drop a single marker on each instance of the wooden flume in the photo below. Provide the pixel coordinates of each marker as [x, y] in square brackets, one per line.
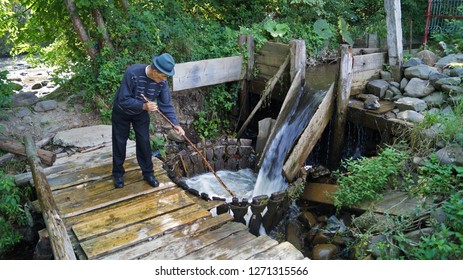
[196, 149]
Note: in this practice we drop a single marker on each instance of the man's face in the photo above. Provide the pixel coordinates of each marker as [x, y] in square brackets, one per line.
[158, 76]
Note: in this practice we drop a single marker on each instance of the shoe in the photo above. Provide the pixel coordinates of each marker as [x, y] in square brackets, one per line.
[118, 182]
[151, 181]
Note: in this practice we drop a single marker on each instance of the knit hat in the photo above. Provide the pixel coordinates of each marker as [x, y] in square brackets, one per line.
[164, 63]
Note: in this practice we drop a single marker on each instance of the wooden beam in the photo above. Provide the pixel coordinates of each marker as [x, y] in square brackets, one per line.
[268, 89]
[298, 58]
[394, 36]
[207, 72]
[59, 238]
[309, 137]
[46, 157]
[246, 41]
[342, 100]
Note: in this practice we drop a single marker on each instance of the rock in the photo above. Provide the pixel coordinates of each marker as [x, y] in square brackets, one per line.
[389, 95]
[324, 251]
[456, 72]
[23, 112]
[309, 219]
[377, 87]
[451, 81]
[24, 99]
[415, 237]
[451, 155]
[435, 99]
[174, 136]
[411, 116]
[403, 83]
[418, 88]
[46, 105]
[452, 89]
[37, 86]
[434, 77]
[427, 57]
[414, 61]
[82, 137]
[410, 103]
[421, 71]
[379, 246]
[394, 84]
[439, 215]
[371, 103]
[385, 75]
[441, 63]
[320, 238]
[293, 234]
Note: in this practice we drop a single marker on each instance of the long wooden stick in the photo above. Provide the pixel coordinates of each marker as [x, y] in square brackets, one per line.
[196, 149]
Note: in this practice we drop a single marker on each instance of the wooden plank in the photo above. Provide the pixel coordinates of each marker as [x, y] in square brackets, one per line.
[254, 247]
[298, 58]
[134, 234]
[224, 248]
[283, 251]
[394, 36]
[310, 136]
[386, 106]
[360, 80]
[319, 192]
[369, 62]
[151, 206]
[186, 246]
[111, 196]
[208, 72]
[396, 203]
[144, 250]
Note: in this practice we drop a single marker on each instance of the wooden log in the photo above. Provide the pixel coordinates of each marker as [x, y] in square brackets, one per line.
[46, 157]
[59, 238]
[342, 100]
[248, 42]
[394, 36]
[268, 89]
[298, 58]
[309, 137]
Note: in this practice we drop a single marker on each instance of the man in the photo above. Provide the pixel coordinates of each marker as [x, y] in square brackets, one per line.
[130, 107]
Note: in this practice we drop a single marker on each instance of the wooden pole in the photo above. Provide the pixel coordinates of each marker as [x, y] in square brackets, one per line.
[344, 84]
[246, 41]
[394, 37]
[59, 238]
[268, 89]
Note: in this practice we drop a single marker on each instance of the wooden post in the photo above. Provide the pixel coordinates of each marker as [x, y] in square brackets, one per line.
[298, 58]
[309, 137]
[248, 41]
[268, 89]
[394, 37]
[60, 241]
[342, 101]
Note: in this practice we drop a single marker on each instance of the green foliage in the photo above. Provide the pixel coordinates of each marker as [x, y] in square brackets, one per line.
[276, 29]
[8, 236]
[366, 178]
[220, 101]
[6, 90]
[438, 179]
[295, 191]
[450, 33]
[159, 144]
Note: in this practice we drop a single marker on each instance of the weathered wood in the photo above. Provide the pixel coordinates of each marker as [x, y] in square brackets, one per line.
[342, 100]
[127, 214]
[288, 103]
[46, 157]
[59, 239]
[148, 249]
[283, 251]
[224, 248]
[139, 232]
[248, 42]
[186, 246]
[5, 158]
[319, 192]
[394, 36]
[363, 51]
[298, 58]
[309, 137]
[268, 89]
[207, 72]
[360, 80]
[362, 63]
[254, 247]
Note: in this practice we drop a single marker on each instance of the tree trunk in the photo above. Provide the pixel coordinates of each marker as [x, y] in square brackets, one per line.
[102, 27]
[59, 238]
[80, 29]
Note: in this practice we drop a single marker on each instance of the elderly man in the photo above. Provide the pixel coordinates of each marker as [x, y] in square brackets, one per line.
[130, 107]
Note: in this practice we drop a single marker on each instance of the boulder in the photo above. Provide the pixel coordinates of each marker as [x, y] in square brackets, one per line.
[24, 99]
[411, 116]
[451, 155]
[435, 99]
[414, 61]
[377, 87]
[418, 88]
[410, 103]
[427, 57]
[421, 71]
[443, 62]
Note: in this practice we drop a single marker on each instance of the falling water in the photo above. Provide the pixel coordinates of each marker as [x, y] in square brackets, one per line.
[270, 178]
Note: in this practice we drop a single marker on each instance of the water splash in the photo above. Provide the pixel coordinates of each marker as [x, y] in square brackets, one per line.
[270, 178]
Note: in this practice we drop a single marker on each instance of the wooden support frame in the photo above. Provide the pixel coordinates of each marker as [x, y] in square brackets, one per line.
[394, 36]
[59, 238]
[246, 41]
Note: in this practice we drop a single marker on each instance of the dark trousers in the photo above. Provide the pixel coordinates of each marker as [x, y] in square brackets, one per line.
[120, 134]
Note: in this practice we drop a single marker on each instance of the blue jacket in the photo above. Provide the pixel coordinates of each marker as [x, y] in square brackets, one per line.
[135, 82]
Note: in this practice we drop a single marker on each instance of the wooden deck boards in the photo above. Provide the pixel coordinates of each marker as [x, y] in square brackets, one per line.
[141, 222]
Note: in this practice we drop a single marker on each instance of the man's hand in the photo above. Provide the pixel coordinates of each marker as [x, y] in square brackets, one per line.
[179, 130]
[150, 106]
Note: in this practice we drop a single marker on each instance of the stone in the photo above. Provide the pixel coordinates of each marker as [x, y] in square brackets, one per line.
[421, 71]
[89, 136]
[46, 105]
[403, 83]
[309, 219]
[24, 99]
[427, 57]
[415, 237]
[418, 88]
[377, 87]
[451, 155]
[23, 112]
[435, 99]
[410, 103]
[456, 72]
[411, 116]
[385, 75]
[434, 77]
[37, 86]
[443, 62]
[394, 84]
[451, 81]
[414, 61]
[452, 89]
[324, 251]
[371, 104]
[396, 91]
[173, 135]
[320, 238]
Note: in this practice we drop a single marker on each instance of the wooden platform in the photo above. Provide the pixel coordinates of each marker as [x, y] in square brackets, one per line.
[141, 222]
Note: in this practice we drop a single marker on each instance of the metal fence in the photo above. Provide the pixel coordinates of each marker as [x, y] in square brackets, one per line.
[440, 14]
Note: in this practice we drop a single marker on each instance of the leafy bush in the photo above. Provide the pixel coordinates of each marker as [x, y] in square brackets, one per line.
[366, 178]
[450, 32]
[6, 90]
